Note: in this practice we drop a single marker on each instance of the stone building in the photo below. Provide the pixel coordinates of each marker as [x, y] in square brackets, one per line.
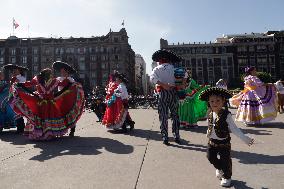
[94, 58]
[228, 56]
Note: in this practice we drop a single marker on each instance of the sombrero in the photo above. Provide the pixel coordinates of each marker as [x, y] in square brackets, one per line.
[121, 76]
[59, 65]
[169, 55]
[14, 66]
[204, 95]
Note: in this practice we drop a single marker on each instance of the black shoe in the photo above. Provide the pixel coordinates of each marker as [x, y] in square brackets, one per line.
[166, 142]
[124, 129]
[131, 124]
[177, 140]
[71, 134]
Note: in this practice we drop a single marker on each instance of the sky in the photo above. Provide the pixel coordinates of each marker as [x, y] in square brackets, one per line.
[146, 21]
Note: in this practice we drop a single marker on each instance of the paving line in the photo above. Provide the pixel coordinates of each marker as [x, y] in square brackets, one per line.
[145, 152]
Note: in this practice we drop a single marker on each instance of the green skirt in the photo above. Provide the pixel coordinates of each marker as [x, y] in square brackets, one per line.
[192, 109]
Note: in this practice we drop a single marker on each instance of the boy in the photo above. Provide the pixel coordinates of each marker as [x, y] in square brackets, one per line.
[220, 123]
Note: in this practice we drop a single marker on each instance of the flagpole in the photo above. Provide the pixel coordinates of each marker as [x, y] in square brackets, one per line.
[13, 26]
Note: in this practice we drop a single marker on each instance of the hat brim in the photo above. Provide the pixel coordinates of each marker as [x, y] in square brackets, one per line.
[13, 67]
[204, 95]
[121, 77]
[59, 65]
[170, 56]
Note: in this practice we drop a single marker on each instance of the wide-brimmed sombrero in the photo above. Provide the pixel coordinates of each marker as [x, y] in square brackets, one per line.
[14, 66]
[59, 65]
[204, 95]
[166, 54]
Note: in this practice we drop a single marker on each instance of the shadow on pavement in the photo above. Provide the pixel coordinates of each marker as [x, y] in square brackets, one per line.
[256, 131]
[69, 146]
[239, 185]
[243, 157]
[276, 125]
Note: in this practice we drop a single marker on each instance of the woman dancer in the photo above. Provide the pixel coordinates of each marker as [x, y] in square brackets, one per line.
[49, 113]
[257, 102]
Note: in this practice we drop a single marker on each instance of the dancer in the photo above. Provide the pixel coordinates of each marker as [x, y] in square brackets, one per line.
[7, 115]
[220, 123]
[49, 113]
[116, 113]
[257, 102]
[163, 77]
[17, 77]
[65, 71]
[192, 108]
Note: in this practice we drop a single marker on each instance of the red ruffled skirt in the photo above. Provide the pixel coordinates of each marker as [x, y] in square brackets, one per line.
[48, 118]
[115, 115]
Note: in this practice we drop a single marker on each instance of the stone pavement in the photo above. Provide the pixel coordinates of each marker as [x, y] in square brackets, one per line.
[96, 158]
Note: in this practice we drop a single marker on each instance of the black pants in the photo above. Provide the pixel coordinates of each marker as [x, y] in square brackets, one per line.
[20, 124]
[224, 162]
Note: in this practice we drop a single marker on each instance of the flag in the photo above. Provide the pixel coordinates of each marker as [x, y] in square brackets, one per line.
[122, 23]
[15, 24]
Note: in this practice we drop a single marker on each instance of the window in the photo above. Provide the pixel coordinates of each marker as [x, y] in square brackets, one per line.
[116, 57]
[57, 51]
[13, 51]
[242, 49]
[93, 58]
[81, 59]
[24, 51]
[105, 76]
[35, 50]
[13, 60]
[252, 60]
[103, 65]
[251, 48]
[1, 60]
[81, 50]
[24, 59]
[47, 51]
[94, 82]
[35, 59]
[35, 68]
[224, 63]
[93, 74]
[82, 66]
[2, 51]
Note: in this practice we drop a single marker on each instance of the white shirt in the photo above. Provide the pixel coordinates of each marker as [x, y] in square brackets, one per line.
[61, 79]
[21, 78]
[232, 127]
[163, 73]
[279, 87]
[121, 91]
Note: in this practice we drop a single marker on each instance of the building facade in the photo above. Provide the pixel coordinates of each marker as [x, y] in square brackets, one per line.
[228, 56]
[140, 75]
[94, 58]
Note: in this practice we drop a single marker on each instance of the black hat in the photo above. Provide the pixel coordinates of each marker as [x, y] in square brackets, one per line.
[166, 54]
[14, 66]
[204, 95]
[120, 76]
[58, 65]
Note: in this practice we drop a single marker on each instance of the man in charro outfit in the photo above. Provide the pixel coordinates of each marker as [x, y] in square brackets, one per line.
[163, 76]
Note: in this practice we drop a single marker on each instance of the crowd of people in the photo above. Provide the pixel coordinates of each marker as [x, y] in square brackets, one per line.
[52, 105]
